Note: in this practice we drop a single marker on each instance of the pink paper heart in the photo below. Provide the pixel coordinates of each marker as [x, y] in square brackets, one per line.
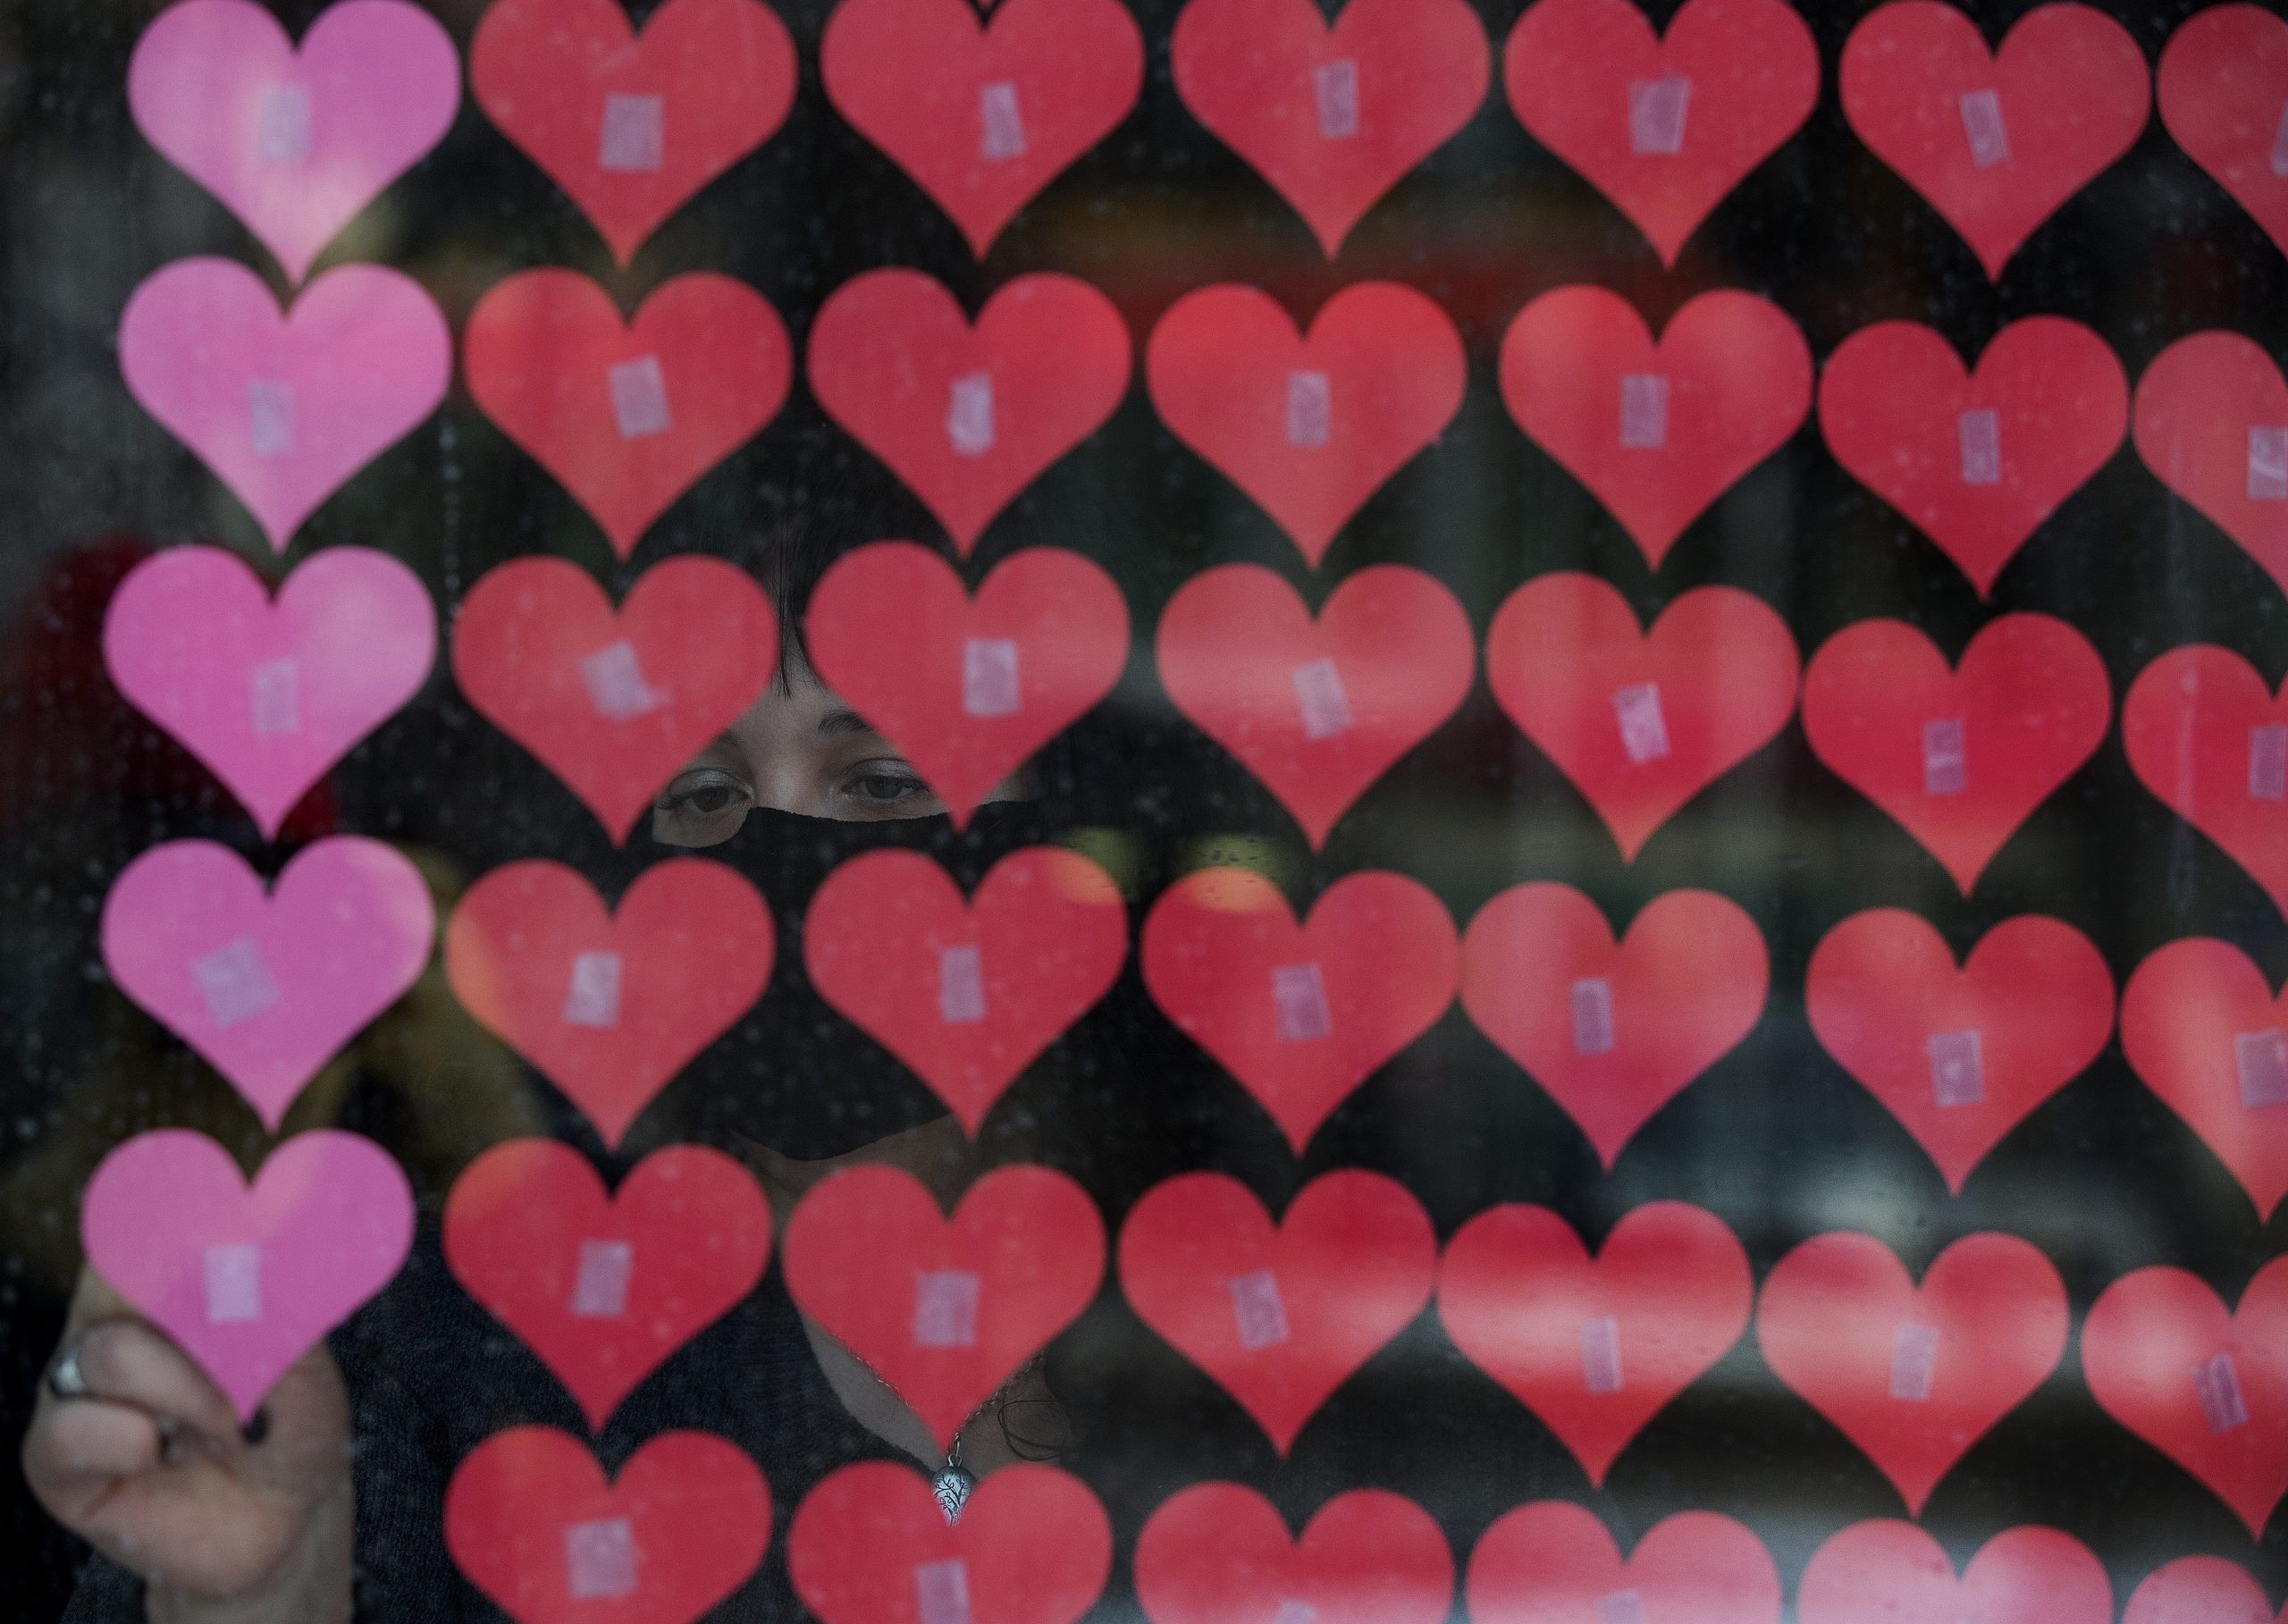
[247, 1279]
[284, 407]
[269, 694]
[267, 987]
[294, 144]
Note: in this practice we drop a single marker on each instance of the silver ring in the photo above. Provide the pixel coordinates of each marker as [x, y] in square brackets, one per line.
[65, 1378]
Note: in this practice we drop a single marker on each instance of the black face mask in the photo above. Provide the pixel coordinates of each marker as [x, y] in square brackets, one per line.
[793, 1073]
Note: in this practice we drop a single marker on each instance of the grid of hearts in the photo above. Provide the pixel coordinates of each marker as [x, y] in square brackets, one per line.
[970, 674]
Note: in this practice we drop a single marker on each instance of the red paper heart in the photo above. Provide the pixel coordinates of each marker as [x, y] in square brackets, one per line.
[614, 703]
[632, 126]
[1219, 1552]
[870, 1545]
[626, 416]
[2209, 419]
[1278, 1318]
[1975, 461]
[1596, 1348]
[1613, 1031]
[1640, 721]
[1960, 1056]
[1995, 140]
[968, 417]
[609, 1006]
[530, 1520]
[1299, 1015]
[2206, 1387]
[2202, 733]
[1960, 758]
[966, 993]
[943, 1311]
[1316, 710]
[2200, 1025]
[603, 1288]
[1308, 426]
[984, 113]
[1656, 431]
[967, 688]
[1551, 1562]
[1332, 114]
[1888, 1572]
[1912, 1375]
[2201, 1590]
[2223, 82]
[1665, 126]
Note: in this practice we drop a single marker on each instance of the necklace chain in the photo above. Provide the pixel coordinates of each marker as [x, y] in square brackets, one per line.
[951, 1484]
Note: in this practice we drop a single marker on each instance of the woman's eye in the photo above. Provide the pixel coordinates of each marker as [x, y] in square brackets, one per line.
[700, 798]
[705, 801]
[886, 786]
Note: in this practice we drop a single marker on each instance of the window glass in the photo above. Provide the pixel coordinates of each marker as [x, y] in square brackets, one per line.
[1260, 810]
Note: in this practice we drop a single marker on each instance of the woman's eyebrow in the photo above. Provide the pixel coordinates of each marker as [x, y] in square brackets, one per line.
[842, 721]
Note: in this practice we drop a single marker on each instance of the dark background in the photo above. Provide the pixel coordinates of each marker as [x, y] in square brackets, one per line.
[1775, 1138]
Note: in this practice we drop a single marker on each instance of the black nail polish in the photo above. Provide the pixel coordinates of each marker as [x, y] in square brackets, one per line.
[257, 1429]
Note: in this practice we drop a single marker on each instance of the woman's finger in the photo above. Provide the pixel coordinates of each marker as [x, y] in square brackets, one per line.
[78, 1448]
[126, 1361]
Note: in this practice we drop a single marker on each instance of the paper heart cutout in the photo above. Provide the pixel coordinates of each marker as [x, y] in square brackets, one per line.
[604, 1287]
[1551, 1562]
[1656, 430]
[1665, 126]
[267, 986]
[283, 408]
[247, 1278]
[2204, 734]
[294, 143]
[982, 112]
[1912, 1375]
[1317, 708]
[608, 1008]
[1974, 460]
[1889, 1572]
[943, 1311]
[2202, 1027]
[1332, 114]
[1299, 1015]
[2199, 1590]
[1613, 1031]
[1219, 1550]
[2222, 83]
[966, 992]
[967, 687]
[1959, 1055]
[967, 416]
[626, 416]
[614, 702]
[1596, 1347]
[1995, 140]
[1961, 759]
[2211, 422]
[1640, 721]
[2207, 1387]
[872, 1545]
[269, 694]
[633, 125]
[1281, 1316]
[1312, 424]
[531, 1520]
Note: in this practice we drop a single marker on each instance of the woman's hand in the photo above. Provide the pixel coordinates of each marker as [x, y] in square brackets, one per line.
[152, 1469]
